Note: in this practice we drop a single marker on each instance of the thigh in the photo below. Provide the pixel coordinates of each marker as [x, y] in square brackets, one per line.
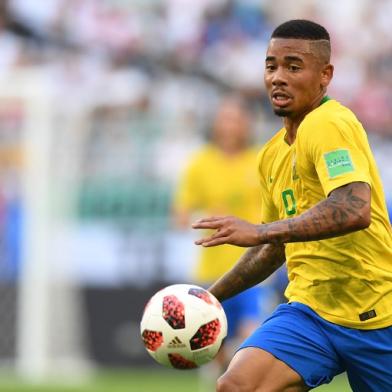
[254, 369]
[368, 357]
[296, 339]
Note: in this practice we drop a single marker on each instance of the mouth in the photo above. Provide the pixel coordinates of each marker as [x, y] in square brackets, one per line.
[280, 98]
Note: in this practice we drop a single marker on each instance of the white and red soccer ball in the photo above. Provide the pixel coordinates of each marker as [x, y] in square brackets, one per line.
[183, 326]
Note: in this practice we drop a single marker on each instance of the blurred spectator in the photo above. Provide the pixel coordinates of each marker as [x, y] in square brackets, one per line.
[216, 42]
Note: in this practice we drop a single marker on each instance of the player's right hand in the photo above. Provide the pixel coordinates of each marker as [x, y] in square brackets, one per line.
[228, 230]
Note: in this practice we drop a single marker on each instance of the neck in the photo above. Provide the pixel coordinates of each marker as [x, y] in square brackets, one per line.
[291, 123]
[231, 150]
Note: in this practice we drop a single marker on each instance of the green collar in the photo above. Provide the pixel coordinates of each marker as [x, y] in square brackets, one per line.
[325, 99]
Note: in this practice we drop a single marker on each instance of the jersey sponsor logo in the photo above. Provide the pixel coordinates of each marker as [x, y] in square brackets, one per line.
[338, 162]
[176, 343]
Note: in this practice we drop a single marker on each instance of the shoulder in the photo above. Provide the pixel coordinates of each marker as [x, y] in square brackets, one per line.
[205, 153]
[331, 114]
[330, 121]
[251, 153]
[198, 162]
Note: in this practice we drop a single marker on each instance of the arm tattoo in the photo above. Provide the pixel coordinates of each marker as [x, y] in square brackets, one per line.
[346, 209]
[256, 264]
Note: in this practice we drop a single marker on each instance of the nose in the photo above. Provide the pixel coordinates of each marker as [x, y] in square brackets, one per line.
[279, 77]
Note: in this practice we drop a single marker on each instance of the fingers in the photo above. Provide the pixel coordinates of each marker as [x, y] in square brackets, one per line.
[212, 241]
[213, 222]
[221, 236]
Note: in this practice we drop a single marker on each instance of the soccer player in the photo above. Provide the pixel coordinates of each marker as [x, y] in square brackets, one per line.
[324, 212]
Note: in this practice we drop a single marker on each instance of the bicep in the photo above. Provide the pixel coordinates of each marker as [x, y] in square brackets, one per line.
[356, 194]
[352, 202]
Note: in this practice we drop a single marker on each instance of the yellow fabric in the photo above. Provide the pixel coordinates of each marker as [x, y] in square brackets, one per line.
[216, 184]
[342, 277]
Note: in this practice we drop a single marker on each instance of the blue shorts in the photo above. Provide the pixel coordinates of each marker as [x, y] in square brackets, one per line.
[319, 350]
[250, 305]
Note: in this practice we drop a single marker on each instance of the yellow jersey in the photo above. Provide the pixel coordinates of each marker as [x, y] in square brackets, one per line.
[347, 280]
[217, 184]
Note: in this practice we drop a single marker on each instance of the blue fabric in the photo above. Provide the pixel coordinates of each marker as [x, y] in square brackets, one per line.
[389, 205]
[250, 305]
[11, 220]
[319, 350]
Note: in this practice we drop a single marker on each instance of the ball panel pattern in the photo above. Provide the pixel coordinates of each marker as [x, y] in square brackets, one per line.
[173, 311]
[179, 362]
[152, 339]
[206, 335]
[202, 294]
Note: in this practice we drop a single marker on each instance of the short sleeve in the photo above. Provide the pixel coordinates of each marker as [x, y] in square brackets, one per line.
[338, 154]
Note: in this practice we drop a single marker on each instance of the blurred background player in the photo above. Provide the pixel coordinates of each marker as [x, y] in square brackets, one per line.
[220, 178]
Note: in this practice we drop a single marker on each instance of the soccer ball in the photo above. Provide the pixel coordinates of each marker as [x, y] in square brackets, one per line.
[183, 326]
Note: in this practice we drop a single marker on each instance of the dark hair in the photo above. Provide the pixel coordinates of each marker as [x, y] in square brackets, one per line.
[301, 29]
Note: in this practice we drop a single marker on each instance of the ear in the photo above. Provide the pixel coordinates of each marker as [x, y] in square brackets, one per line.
[326, 75]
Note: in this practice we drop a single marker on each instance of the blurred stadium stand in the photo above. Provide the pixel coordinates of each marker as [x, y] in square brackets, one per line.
[128, 89]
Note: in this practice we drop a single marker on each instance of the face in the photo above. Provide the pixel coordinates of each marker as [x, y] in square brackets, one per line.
[295, 76]
[231, 126]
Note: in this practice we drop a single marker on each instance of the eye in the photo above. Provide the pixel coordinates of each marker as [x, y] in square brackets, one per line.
[270, 67]
[294, 68]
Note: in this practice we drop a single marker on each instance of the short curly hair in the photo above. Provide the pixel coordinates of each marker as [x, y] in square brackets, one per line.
[307, 30]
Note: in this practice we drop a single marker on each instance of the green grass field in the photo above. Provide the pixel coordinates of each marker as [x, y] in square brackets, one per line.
[140, 380]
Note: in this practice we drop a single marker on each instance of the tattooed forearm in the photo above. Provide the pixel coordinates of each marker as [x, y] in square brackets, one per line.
[257, 264]
[347, 209]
